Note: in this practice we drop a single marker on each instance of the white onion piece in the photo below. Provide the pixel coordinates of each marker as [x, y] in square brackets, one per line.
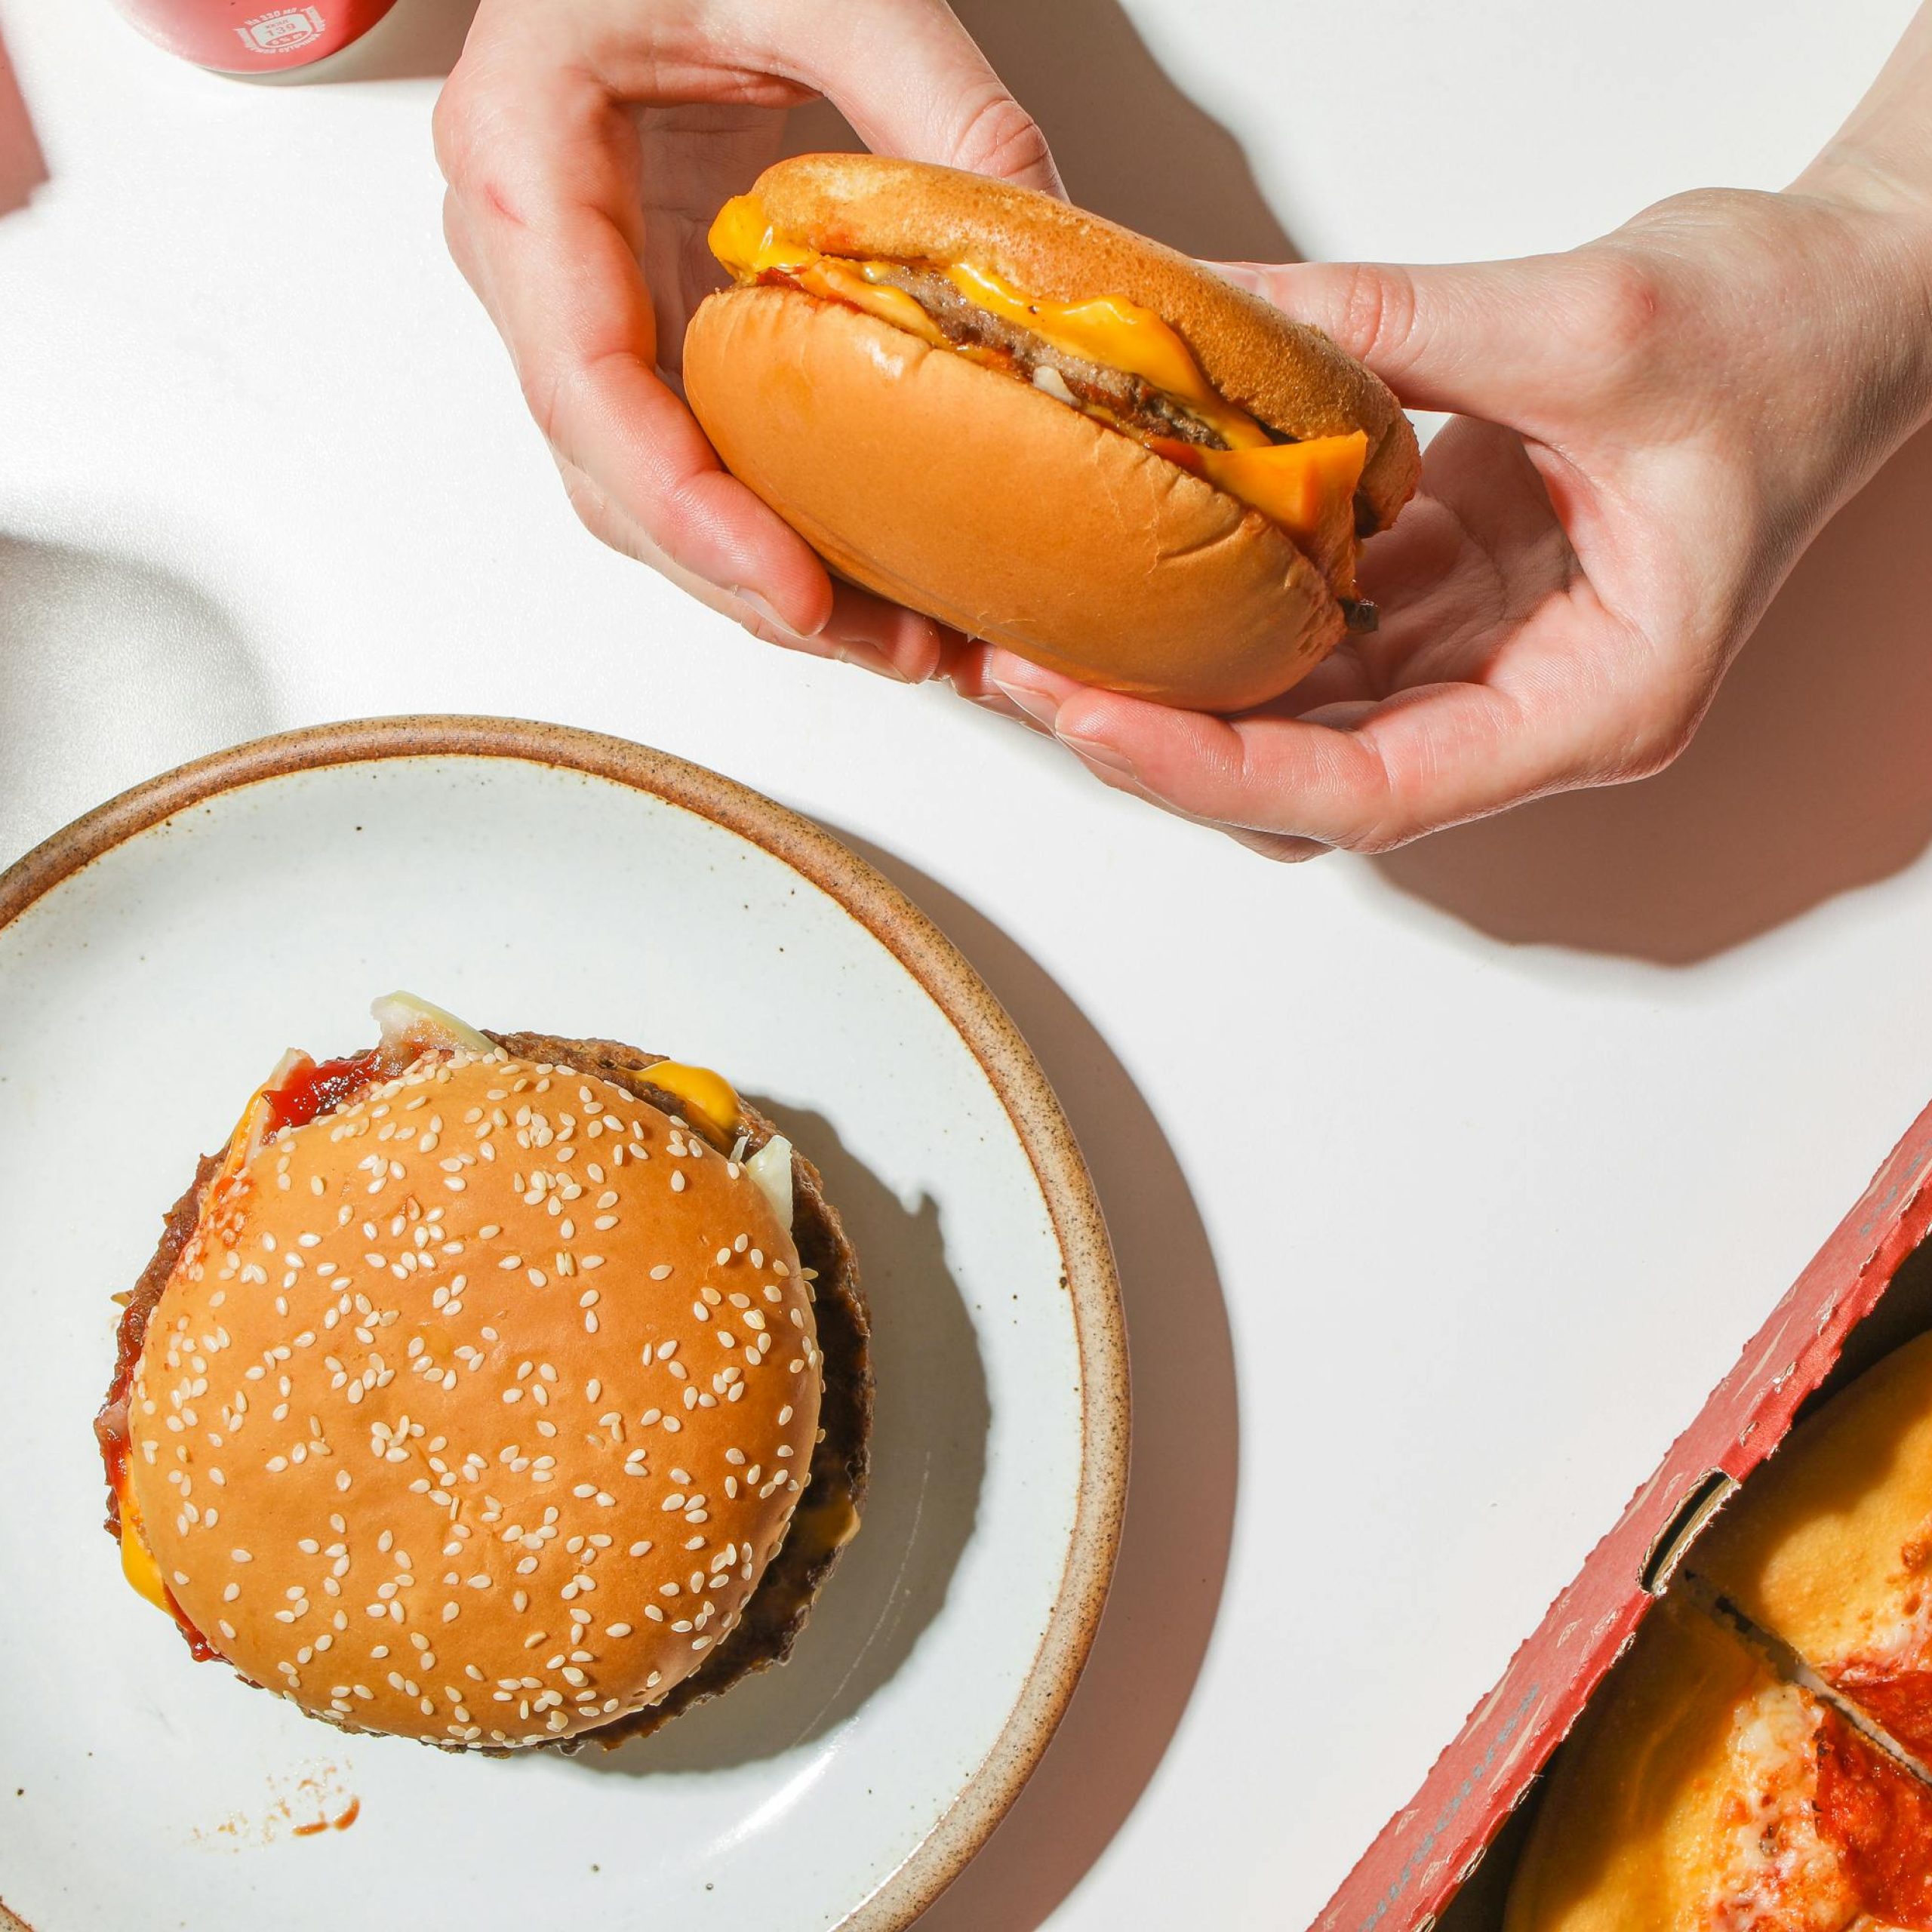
[1051, 381]
[407, 1021]
[771, 1167]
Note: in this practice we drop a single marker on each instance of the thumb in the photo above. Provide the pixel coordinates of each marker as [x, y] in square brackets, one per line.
[913, 83]
[1500, 340]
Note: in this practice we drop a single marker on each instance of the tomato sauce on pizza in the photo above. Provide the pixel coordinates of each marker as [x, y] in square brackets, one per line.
[1879, 1819]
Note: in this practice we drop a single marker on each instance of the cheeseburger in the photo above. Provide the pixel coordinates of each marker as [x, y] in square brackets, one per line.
[492, 1390]
[1043, 429]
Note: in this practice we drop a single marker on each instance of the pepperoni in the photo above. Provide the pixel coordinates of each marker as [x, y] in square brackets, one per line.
[1901, 1699]
[1879, 1819]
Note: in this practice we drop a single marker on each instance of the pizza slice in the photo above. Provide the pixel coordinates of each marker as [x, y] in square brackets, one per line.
[1702, 1793]
[1830, 1544]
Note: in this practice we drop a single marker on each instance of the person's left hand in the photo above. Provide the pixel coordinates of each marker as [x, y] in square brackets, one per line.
[588, 145]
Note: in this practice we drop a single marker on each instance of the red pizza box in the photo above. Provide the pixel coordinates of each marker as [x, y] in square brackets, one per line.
[1443, 1862]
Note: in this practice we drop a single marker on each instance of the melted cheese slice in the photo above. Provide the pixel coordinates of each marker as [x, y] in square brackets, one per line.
[1308, 487]
[708, 1095]
[137, 1560]
[1119, 334]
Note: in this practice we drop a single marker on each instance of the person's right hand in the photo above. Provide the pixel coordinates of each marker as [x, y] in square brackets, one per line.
[1645, 432]
[587, 144]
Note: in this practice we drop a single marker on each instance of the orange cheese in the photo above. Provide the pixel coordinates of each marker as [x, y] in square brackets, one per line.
[1106, 329]
[1307, 488]
[710, 1095]
[1118, 334]
[137, 1560]
[743, 240]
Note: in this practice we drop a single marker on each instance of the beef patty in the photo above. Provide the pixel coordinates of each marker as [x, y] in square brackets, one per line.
[1137, 405]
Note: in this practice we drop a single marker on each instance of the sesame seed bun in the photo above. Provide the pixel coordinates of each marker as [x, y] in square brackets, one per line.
[478, 1409]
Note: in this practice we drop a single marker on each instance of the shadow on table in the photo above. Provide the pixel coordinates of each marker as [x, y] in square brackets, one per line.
[929, 1440]
[929, 1452]
[1130, 144]
[1174, 1555]
[416, 40]
[23, 166]
[1811, 776]
[111, 670]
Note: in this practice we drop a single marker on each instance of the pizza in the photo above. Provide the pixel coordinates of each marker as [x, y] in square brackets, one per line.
[1703, 1792]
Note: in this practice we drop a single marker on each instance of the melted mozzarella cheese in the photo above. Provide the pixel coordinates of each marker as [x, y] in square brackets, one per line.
[1771, 1872]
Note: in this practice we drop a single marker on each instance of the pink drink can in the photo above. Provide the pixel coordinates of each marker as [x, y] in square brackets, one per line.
[253, 36]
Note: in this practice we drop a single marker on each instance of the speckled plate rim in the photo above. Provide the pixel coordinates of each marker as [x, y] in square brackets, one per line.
[969, 1005]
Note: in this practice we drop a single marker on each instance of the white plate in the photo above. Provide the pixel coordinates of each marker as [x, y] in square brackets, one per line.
[154, 960]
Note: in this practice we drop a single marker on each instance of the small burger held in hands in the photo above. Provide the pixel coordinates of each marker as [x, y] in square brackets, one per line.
[1043, 429]
[492, 1390]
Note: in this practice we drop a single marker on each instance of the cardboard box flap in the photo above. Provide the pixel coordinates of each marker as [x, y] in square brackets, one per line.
[1428, 1850]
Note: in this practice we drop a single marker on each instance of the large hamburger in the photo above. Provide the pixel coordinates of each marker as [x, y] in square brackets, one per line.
[1043, 429]
[492, 1390]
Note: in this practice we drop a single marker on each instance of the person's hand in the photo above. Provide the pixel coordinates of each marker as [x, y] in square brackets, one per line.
[1647, 433]
[588, 143]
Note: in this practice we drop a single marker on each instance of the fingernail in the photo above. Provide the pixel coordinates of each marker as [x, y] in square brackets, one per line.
[1041, 709]
[1091, 752]
[998, 707]
[1249, 275]
[768, 611]
[865, 658]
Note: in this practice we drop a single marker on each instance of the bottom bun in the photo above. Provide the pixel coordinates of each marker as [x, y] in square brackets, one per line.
[964, 493]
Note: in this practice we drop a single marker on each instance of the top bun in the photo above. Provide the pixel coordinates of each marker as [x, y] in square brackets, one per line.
[1287, 374]
[474, 1410]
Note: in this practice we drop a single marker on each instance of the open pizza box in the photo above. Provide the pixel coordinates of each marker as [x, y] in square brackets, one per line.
[1443, 1862]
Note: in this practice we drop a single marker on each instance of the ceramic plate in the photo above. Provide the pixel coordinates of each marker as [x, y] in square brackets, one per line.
[154, 960]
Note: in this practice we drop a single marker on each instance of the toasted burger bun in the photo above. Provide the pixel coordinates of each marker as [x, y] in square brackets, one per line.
[957, 489]
[1691, 1761]
[435, 1429]
[1291, 376]
[1093, 556]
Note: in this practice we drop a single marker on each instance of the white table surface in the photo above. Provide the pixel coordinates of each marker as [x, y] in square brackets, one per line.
[1444, 1186]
